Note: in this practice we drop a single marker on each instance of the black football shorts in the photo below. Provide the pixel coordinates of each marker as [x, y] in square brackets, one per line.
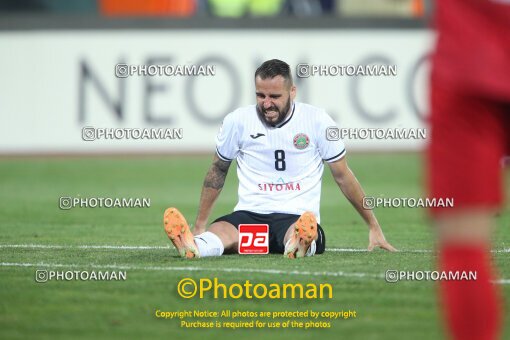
[278, 225]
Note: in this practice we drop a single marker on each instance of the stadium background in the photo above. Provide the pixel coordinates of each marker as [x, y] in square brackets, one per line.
[57, 66]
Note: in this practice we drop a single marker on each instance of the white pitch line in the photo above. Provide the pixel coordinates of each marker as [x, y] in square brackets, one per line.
[124, 247]
[360, 250]
[157, 268]
[216, 270]
[54, 246]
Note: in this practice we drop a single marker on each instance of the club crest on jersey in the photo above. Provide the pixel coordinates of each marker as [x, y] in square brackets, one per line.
[301, 141]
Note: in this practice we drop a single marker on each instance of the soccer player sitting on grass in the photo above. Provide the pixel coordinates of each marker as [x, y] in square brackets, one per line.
[280, 147]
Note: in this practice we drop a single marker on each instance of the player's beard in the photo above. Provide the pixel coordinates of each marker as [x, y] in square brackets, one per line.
[282, 114]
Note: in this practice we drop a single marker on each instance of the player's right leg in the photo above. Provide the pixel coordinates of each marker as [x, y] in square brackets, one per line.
[179, 233]
[227, 233]
[220, 237]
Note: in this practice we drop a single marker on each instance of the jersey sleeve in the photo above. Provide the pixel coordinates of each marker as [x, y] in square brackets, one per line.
[227, 139]
[330, 145]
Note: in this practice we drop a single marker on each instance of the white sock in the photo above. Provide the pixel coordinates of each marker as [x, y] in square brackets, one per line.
[209, 244]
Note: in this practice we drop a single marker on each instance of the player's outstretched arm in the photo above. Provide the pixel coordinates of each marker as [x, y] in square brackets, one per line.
[211, 189]
[352, 190]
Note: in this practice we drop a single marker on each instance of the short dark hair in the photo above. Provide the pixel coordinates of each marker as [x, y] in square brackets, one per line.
[274, 67]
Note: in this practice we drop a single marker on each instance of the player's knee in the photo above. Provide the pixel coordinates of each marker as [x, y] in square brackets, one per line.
[227, 233]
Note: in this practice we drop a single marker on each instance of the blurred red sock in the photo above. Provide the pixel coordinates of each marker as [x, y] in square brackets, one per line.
[471, 308]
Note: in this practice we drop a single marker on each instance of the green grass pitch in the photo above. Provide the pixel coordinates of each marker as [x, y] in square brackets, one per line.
[29, 194]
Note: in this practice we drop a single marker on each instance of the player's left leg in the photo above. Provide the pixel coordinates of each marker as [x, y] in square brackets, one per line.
[300, 238]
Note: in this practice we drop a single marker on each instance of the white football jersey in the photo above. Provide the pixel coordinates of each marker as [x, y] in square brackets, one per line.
[279, 168]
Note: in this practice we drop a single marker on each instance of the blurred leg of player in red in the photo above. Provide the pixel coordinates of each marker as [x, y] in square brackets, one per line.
[468, 139]
[470, 120]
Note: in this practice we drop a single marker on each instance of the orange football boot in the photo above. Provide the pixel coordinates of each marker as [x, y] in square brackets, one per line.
[179, 233]
[305, 231]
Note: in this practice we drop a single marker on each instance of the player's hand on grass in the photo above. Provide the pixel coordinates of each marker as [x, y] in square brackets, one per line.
[376, 239]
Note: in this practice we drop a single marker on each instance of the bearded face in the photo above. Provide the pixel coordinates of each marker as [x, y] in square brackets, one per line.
[274, 115]
[274, 99]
